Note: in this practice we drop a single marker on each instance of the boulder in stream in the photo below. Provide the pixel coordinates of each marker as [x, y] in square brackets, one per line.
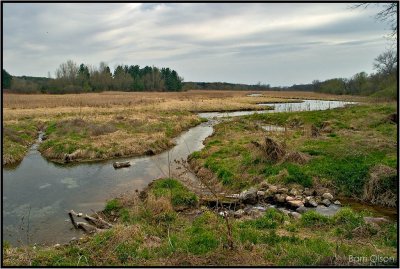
[326, 202]
[328, 196]
[249, 196]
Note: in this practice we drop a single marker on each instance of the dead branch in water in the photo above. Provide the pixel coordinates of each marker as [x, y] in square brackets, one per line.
[93, 226]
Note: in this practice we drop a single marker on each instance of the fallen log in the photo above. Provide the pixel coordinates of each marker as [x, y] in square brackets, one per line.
[99, 223]
[121, 164]
[94, 226]
[87, 228]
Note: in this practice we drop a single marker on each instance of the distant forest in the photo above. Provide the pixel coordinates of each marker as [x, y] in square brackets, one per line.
[383, 83]
[71, 78]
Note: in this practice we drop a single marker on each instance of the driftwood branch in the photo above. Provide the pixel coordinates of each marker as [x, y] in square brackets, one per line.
[99, 223]
[93, 224]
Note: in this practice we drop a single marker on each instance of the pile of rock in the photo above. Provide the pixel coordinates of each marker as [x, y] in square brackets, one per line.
[298, 199]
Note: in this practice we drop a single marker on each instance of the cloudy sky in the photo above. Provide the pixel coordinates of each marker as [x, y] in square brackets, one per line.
[272, 43]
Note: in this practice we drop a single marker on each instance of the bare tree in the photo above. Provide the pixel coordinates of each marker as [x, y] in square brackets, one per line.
[387, 13]
[386, 63]
[68, 70]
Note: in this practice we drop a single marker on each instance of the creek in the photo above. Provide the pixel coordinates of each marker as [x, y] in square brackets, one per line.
[37, 194]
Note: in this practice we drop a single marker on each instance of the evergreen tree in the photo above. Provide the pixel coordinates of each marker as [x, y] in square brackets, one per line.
[6, 80]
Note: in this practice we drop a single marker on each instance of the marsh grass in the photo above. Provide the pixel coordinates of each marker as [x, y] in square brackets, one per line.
[118, 124]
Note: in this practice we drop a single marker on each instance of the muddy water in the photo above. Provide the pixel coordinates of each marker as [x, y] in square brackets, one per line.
[37, 194]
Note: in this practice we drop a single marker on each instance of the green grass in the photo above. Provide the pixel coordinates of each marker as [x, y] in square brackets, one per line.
[270, 220]
[361, 138]
[202, 240]
[180, 195]
[17, 138]
[106, 138]
[112, 205]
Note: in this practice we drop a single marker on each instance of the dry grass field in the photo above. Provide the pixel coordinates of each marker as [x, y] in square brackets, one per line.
[105, 125]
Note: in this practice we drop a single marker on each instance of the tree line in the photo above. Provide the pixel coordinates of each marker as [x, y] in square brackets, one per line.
[382, 83]
[225, 86]
[71, 78]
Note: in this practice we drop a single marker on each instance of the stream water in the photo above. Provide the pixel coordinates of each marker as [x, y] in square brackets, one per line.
[37, 194]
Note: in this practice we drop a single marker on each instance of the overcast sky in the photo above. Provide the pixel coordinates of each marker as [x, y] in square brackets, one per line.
[272, 43]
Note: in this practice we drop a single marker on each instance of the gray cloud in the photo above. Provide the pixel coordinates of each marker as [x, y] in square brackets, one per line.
[280, 44]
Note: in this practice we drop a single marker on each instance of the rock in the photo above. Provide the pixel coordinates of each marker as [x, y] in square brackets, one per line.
[57, 246]
[312, 203]
[280, 198]
[326, 202]
[284, 211]
[223, 213]
[293, 192]
[260, 193]
[375, 220]
[79, 214]
[302, 209]
[295, 203]
[73, 239]
[238, 213]
[249, 196]
[295, 215]
[327, 195]
[308, 192]
[283, 190]
[289, 198]
[337, 202]
[247, 209]
[273, 189]
[264, 185]
[260, 208]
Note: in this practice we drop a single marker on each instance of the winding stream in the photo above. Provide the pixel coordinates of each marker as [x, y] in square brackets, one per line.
[37, 194]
